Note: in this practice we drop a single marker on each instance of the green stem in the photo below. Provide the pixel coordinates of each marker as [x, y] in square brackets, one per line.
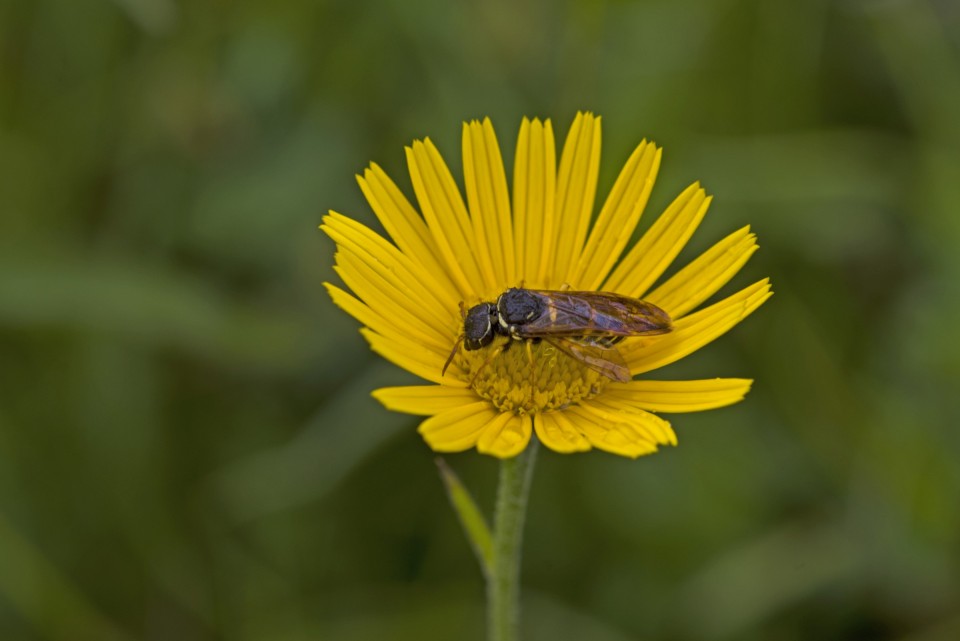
[503, 579]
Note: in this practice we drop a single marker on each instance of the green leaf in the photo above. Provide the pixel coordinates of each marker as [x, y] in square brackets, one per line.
[475, 526]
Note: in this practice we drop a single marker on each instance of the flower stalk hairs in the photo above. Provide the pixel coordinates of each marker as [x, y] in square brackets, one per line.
[530, 317]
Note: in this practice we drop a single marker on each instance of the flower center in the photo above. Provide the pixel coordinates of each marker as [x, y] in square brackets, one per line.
[528, 377]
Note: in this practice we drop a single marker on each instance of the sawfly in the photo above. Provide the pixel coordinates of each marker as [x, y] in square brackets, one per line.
[584, 325]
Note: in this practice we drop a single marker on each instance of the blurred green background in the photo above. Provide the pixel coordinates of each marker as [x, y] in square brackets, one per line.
[188, 449]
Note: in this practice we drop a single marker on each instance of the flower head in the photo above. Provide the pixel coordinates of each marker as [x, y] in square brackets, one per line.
[412, 294]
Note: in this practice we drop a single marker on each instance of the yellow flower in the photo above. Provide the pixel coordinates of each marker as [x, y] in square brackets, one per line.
[408, 293]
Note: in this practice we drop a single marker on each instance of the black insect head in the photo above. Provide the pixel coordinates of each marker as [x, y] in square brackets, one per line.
[478, 326]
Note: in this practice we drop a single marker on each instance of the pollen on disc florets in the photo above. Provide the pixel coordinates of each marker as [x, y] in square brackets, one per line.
[502, 374]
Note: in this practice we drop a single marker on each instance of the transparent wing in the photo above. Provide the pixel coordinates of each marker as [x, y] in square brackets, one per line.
[605, 360]
[598, 313]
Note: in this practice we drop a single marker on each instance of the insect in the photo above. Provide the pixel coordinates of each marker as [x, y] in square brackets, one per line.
[584, 325]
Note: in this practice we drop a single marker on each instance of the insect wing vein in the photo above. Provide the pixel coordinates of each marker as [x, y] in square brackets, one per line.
[606, 361]
[594, 313]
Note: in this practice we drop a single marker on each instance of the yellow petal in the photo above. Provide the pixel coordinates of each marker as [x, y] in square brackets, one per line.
[486, 186]
[458, 429]
[413, 358]
[447, 217]
[534, 191]
[389, 301]
[576, 189]
[618, 218]
[405, 282]
[654, 252]
[679, 396]
[692, 332]
[557, 432]
[396, 327]
[506, 436]
[649, 425]
[702, 278]
[610, 431]
[407, 228]
[425, 400]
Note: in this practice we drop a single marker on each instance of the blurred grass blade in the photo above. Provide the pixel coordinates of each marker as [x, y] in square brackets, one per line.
[44, 596]
[327, 448]
[475, 526]
[819, 556]
[156, 306]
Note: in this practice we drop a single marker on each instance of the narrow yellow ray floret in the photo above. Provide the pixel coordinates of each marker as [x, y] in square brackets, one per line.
[576, 188]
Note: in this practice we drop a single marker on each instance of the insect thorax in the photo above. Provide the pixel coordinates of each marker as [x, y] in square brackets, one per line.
[517, 307]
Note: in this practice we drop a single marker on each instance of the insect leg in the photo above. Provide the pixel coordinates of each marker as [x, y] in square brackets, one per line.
[453, 352]
[496, 351]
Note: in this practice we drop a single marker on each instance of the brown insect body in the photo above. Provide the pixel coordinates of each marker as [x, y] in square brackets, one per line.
[585, 325]
[533, 313]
